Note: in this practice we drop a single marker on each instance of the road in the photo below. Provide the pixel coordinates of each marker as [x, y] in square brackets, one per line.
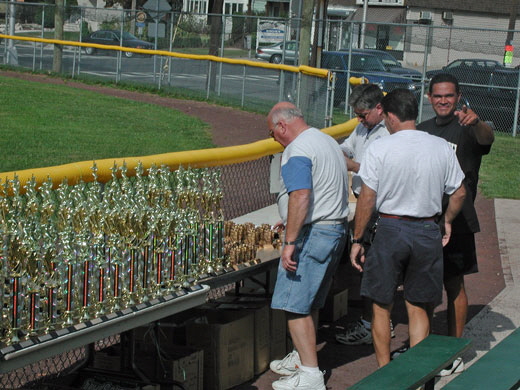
[185, 73]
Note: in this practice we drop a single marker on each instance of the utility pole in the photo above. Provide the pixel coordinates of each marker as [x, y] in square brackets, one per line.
[363, 25]
[319, 32]
[58, 34]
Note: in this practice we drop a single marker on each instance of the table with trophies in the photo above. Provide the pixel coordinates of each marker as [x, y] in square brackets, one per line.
[86, 261]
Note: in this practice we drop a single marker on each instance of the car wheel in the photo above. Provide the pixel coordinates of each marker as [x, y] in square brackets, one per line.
[129, 54]
[276, 59]
[90, 51]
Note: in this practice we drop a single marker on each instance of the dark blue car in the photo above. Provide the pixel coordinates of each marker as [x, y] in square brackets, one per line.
[364, 65]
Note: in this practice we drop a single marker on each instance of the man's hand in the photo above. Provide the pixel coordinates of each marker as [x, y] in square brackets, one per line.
[357, 256]
[467, 117]
[447, 233]
[279, 227]
[352, 165]
[287, 261]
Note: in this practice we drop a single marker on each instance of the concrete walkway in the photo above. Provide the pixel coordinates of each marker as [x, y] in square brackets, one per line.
[502, 315]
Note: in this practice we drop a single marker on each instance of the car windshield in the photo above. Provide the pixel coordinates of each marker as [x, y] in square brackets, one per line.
[388, 61]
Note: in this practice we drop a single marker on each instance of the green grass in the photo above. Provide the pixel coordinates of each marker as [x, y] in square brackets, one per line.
[500, 171]
[47, 124]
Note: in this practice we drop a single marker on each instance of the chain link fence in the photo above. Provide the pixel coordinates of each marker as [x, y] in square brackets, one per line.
[492, 91]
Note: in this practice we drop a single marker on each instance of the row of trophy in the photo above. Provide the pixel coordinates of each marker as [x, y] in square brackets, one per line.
[78, 252]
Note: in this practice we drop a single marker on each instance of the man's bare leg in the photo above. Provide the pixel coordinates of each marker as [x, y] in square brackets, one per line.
[457, 305]
[303, 335]
[419, 323]
[381, 332]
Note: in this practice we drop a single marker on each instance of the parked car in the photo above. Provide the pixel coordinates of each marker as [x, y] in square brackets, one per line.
[274, 53]
[460, 68]
[489, 88]
[390, 63]
[112, 37]
[363, 65]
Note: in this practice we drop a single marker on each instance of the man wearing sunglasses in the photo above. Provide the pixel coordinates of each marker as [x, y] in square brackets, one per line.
[365, 100]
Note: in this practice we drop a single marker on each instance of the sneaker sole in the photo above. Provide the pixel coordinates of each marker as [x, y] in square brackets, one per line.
[282, 371]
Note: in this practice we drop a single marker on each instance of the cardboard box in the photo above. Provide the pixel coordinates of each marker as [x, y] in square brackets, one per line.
[259, 307]
[336, 305]
[108, 358]
[225, 337]
[185, 365]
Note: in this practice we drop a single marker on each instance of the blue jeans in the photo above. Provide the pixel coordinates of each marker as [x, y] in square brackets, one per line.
[318, 251]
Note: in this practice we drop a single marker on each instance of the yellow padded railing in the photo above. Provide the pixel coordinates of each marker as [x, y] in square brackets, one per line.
[74, 172]
[302, 68]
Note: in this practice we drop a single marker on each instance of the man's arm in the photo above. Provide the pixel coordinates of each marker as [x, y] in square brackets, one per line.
[454, 206]
[352, 165]
[483, 132]
[364, 209]
[298, 207]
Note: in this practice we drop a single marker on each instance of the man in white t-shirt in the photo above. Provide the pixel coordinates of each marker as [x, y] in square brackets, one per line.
[313, 205]
[404, 178]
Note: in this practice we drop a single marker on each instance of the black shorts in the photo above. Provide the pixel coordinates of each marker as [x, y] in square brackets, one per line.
[405, 251]
[460, 256]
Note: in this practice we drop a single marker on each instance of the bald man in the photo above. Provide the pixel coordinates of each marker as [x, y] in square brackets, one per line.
[313, 205]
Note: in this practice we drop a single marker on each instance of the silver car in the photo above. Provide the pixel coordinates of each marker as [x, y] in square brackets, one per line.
[274, 53]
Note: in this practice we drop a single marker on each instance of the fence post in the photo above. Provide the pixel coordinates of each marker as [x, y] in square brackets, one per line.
[243, 86]
[427, 44]
[222, 39]
[517, 100]
[347, 82]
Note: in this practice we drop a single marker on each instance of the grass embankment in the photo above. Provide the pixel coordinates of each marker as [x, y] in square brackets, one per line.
[47, 124]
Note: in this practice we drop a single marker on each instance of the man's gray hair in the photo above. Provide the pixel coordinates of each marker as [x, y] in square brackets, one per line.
[365, 97]
[286, 113]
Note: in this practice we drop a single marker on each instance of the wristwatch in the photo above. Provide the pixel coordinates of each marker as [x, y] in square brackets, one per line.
[289, 242]
[356, 241]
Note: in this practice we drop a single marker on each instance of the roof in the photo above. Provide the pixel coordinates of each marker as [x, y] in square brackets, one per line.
[496, 7]
[381, 14]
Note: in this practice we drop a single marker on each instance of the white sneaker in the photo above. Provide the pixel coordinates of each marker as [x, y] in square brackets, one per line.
[300, 381]
[454, 368]
[288, 365]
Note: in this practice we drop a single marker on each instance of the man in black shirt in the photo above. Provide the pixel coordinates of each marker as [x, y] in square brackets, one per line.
[471, 138]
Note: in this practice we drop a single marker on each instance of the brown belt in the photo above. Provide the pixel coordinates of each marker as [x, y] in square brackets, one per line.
[407, 218]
